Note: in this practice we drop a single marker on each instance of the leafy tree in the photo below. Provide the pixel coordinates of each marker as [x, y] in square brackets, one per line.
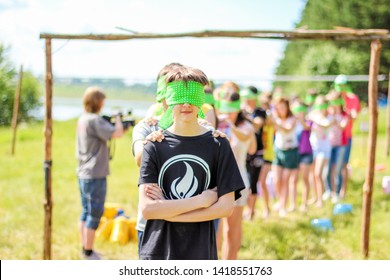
[334, 57]
[29, 99]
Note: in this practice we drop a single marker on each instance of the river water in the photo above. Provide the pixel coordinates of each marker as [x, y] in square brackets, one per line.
[69, 108]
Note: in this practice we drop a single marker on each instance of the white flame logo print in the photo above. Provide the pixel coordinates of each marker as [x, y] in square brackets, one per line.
[184, 186]
[187, 186]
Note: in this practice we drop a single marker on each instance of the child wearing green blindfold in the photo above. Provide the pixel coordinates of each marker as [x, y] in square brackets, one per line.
[233, 121]
[157, 109]
[188, 180]
[320, 142]
[338, 140]
[255, 163]
[303, 131]
[286, 159]
[352, 107]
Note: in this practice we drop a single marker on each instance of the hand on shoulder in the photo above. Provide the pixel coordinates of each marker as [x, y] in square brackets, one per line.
[155, 136]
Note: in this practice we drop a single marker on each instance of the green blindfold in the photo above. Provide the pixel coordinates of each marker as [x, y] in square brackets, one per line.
[299, 109]
[320, 107]
[229, 106]
[337, 102]
[161, 89]
[342, 88]
[209, 99]
[248, 94]
[181, 92]
[309, 99]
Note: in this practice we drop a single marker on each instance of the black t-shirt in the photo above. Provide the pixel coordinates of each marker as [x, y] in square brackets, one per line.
[258, 112]
[184, 167]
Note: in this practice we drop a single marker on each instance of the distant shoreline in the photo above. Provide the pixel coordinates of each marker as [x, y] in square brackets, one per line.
[139, 92]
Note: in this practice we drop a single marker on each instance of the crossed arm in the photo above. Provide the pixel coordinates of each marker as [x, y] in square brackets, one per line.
[283, 126]
[203, 207]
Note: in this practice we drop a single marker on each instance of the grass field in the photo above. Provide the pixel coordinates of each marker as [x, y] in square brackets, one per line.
[21, 208]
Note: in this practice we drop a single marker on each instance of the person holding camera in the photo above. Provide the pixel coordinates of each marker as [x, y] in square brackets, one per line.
[93, 134]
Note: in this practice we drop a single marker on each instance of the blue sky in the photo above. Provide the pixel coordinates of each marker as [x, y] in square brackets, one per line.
[244, 60]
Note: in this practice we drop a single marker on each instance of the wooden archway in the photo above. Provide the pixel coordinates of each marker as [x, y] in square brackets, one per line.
[338, 34]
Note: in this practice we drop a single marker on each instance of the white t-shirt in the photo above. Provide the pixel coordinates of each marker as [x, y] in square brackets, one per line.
[286, 140]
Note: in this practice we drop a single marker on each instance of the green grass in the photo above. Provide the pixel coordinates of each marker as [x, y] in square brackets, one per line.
[76, 91]
[21, 206]
[364, 117]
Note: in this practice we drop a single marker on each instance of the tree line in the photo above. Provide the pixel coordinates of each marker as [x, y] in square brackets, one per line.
[334, 57]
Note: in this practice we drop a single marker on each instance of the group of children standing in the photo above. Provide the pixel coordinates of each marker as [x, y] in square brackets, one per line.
[205, 153]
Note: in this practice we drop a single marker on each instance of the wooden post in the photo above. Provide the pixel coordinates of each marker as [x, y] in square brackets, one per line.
[16, 109]
[388, 121]
[48, 159]
[372, 134]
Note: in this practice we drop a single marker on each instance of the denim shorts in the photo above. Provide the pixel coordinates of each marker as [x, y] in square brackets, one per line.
[306, 159]
[288, 159]
[93, 195]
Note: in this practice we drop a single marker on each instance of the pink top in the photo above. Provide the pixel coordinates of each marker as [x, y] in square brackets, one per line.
[337, 136]
[352, 102]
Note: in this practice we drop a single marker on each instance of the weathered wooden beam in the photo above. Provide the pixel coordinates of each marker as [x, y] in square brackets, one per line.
[368, 186]
[48, 133]
[336, 34]
[15, 113]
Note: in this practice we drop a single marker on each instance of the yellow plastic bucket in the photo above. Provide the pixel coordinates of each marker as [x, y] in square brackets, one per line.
[133, 236]
[120, 231]
[103, 232]
[111, 210]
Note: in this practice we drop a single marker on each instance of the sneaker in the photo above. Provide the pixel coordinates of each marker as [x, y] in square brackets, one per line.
[282, 213]
[326, 195]
[335, 199]
[291, 209]
[276, 206]
[303, 208]
[265, 214]
[93, 256]
[312, 201]
[319, 204]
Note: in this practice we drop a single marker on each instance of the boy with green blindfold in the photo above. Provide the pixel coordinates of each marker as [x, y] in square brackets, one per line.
[149, 130]
[177, 187]
[352, 108]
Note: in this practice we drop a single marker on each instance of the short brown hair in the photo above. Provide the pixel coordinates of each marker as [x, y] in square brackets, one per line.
[184, 73]
[92, 99]
[225, 91]
[165, 70]
[231, 85]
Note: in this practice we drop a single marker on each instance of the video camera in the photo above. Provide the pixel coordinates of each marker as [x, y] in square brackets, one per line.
[127, 119]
